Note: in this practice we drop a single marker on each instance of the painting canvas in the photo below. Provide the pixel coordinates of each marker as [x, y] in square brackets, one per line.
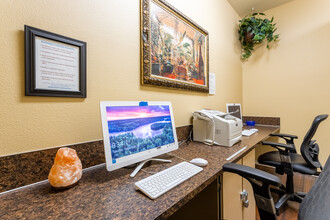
[175, 49]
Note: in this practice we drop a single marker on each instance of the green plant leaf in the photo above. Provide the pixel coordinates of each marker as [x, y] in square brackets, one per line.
[259, 28]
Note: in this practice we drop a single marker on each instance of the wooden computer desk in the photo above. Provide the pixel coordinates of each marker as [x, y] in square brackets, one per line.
[111, 195]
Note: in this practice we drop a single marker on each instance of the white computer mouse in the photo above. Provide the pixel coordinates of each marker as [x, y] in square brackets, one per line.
[199, 162]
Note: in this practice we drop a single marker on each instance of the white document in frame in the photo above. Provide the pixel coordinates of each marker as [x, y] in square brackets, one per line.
[57, 65]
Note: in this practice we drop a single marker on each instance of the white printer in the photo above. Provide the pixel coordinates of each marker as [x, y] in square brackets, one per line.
[215, 127]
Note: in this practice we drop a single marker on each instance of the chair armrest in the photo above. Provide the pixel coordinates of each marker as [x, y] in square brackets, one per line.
[284, 136]
[279, 146]
[249, 172]
[288, 138]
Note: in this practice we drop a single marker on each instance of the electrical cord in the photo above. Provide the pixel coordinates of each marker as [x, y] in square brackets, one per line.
[173, 155]
[189, 138]
[150, 172]
[181, 142]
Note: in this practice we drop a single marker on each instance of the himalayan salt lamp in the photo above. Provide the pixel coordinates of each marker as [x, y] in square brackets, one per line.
[66, 170]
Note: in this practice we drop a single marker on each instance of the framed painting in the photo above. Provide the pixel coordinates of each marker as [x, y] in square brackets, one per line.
[174, 49]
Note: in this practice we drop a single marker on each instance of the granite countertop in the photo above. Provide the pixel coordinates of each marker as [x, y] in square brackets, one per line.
[111, 195]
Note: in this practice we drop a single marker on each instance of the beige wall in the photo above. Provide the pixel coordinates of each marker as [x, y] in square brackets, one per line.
[292, 80]
[111, 30]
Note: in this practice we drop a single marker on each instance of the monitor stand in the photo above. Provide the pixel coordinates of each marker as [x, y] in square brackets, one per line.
[138, 168]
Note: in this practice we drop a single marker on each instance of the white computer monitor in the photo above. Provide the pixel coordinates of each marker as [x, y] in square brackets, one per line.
[234, 109]
[135, 131]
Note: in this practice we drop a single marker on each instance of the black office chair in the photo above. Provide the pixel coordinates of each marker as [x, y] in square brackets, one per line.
[314, 206]
[286, 160]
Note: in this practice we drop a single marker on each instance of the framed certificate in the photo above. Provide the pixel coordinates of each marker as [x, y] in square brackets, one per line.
[55, 65]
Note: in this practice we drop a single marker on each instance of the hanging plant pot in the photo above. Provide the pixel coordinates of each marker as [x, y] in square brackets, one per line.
[249, 37]
[253, 29]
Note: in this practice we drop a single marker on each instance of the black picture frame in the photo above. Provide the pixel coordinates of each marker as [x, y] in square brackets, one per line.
[31, 34]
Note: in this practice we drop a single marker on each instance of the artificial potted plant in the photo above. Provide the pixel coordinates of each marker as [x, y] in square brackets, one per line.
[253, 29]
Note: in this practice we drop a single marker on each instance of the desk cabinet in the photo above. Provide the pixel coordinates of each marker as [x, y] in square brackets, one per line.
[232, 187]
[203, 206]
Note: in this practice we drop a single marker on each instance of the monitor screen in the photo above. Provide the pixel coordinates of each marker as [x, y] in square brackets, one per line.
[235, 109]
[136, 131]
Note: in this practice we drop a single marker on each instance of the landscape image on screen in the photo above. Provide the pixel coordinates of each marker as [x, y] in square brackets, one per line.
[133, 129]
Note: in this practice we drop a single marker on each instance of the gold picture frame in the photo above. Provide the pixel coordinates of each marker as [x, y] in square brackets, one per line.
[174, 49]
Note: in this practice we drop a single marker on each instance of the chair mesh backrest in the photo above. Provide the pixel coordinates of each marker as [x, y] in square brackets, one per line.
[317, 202]
[309, 149]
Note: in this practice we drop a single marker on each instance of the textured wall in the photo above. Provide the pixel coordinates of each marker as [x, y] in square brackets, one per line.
[111, 30]
[292, 79]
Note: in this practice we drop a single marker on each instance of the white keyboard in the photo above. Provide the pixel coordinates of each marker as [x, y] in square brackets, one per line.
[159, 183]
[250, 132]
